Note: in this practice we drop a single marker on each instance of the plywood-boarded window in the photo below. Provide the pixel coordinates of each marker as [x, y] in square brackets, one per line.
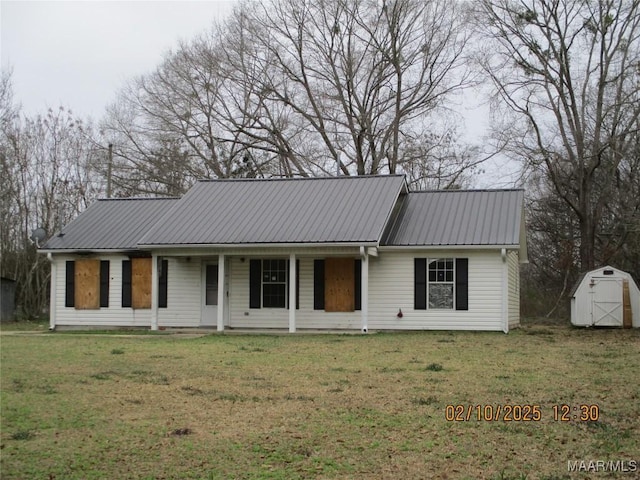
[87, 284]
[339, 285]
[136, 283]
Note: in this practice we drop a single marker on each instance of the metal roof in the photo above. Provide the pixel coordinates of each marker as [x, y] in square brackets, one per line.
[459, 217]
[285, 211]
[111, 224]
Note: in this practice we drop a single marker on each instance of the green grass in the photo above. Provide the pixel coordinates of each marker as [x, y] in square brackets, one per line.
[313, 406]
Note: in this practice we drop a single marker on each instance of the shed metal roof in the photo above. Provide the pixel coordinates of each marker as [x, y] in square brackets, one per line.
[280, 211]
[459, 217]
[111, 224]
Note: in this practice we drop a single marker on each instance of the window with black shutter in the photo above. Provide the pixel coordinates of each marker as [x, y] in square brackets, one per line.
[441, 283]
[269, 283]
[87, 286]
[354, 290]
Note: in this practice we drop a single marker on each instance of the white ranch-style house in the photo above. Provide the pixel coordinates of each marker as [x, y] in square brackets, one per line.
[353, 253]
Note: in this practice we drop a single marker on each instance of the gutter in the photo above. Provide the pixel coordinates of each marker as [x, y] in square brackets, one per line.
[447, 247]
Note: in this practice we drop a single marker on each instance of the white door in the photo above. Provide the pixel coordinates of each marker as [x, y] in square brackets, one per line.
[607, 302]
[209, 294]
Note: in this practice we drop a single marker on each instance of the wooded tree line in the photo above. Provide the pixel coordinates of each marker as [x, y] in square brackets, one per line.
[359, 87]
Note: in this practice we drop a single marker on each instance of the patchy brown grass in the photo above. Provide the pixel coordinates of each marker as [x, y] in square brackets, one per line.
[315, 406]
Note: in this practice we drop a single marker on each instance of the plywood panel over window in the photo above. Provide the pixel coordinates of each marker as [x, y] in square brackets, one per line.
[339, 294]
[87, 284]
[141, 282]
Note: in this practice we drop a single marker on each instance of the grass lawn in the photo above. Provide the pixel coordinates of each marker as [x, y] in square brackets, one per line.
[89, 406]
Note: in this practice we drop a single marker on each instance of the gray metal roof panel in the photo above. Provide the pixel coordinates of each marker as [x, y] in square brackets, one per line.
[255, 211]
[111, 224]
[458, 217]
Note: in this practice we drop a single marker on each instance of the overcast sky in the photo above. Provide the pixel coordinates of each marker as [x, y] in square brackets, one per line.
[79, 53]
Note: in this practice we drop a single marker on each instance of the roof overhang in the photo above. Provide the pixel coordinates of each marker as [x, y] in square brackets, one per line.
[92, 251]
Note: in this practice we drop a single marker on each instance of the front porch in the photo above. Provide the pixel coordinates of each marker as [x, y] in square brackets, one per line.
[251, 290]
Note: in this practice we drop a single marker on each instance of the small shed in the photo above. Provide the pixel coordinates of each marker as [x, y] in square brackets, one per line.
[7, 299]
[605, 297]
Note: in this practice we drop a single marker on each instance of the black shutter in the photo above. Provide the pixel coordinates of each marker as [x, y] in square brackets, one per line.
[357, 283]
[104, 283]
[318, 284]
[162, 284]
[70, 284]
[420, 284]
[255, 283]
[462, 284]
[126, 283]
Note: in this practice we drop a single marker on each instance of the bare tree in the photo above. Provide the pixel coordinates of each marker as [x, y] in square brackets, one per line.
[48, 173]
[355, 80]
[567, 71]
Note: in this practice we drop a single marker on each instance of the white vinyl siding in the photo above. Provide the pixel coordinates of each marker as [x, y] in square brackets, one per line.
[391, 287]
[306, 317]
[184, 293]
[183, 297]
[112, 316]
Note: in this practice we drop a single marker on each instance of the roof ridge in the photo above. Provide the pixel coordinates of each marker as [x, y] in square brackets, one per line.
[276, 179]
[136, 198]
[469, 190]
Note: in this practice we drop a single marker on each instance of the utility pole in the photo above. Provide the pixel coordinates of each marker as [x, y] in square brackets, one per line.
[109, 167]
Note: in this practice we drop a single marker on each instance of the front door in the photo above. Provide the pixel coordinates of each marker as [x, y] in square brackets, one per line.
[209, 294]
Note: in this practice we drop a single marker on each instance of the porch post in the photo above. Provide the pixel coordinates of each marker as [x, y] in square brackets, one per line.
[292, 293]
[53, 293]
[364, 282]
[154, 292]
[221, 292]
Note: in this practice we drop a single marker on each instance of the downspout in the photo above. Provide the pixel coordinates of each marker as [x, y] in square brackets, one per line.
[52, 294]
[505, 291]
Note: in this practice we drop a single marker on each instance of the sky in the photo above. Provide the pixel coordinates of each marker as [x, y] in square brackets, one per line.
[78, 54]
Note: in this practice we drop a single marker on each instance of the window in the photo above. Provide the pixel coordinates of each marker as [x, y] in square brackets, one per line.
[441, 283]
[337, 287]
[269, 283]
[136, 282]
[211, 285]
[274, 283]
[86, 284]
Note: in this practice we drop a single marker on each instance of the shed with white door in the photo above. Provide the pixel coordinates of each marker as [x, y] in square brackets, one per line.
[606, 297]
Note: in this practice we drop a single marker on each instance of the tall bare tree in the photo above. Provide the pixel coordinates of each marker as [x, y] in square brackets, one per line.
[355, 79]
[48, 171]
[567, 74]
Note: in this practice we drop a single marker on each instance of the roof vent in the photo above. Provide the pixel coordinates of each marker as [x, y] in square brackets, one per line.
[607, 272]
